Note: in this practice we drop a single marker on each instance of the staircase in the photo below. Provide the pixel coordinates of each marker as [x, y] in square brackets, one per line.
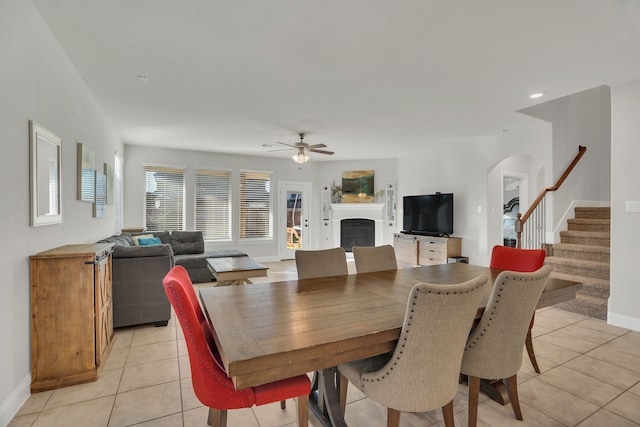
[583, 256]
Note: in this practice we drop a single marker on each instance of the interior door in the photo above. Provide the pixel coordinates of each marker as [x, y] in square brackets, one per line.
[514, 194]
[293, 218]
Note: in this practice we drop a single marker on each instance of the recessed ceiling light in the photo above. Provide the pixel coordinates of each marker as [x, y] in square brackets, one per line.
[536, 95]
[143, 79]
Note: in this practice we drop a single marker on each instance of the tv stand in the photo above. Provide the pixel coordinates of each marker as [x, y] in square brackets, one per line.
[425, 233]
[414, 249]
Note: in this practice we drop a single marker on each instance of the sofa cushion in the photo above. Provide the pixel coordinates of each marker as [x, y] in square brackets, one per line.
[141, 251]
[136, 238]
[149, 241]
[164, 236]
[120, 240]
[187, 242]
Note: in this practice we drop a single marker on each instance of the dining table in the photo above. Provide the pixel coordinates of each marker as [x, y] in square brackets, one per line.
[270, 331]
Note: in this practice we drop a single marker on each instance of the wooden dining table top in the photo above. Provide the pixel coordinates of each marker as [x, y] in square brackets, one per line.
[271, 331]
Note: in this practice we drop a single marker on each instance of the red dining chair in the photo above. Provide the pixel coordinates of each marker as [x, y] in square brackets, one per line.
[523, 261]
[211, 384]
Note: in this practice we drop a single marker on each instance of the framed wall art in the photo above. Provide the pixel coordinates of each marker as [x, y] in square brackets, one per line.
[86, 174]
[357, 187]
[110, 175]
[45, 150]
[100, 192]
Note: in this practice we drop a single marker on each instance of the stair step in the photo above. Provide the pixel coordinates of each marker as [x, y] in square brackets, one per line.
[587, 224]
[584, 252]
[595, 238]
[587, 306]
[583, 256]
[591, 269]
[595, 290]
[592, 212]
[580, 278]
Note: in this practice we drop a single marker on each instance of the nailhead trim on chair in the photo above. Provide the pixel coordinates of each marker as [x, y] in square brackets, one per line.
[406, 331]
[497, 301]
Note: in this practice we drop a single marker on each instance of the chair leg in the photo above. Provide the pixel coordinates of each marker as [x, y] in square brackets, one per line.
[512, 385]
[393, 417]
[474, 390]
[344, 384]
[303, 410]
[283, 404]
[217, 418]
[447, 413]
[532, 356]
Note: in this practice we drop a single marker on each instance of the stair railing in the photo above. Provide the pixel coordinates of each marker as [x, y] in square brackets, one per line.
[531, 227]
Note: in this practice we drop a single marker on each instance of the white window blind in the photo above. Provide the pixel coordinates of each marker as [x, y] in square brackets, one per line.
[118, 193]
[213, 204]
[256, 216]
[164, 202]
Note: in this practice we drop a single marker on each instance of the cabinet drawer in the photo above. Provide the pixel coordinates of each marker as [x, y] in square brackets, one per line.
[432, 255]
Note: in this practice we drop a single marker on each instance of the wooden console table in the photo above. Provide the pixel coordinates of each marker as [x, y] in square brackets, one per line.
[71, 314]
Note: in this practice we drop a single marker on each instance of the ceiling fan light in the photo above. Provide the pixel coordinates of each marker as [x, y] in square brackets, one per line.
[300, 157]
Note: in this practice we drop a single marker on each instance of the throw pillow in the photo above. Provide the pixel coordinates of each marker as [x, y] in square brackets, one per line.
[149, 241]
[137, 238]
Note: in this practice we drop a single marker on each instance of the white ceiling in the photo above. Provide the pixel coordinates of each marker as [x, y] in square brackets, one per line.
[368, 78]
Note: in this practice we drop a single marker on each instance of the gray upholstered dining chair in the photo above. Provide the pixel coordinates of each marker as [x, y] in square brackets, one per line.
[321, 263]
[374, 258]
[422, 372]
[494, 348]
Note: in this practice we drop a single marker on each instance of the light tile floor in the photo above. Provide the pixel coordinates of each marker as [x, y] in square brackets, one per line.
[590, 377]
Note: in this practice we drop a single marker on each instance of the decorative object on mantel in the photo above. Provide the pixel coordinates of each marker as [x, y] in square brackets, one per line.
[45, 178]
[326, 208]
[336, 193]
[86, 173]
[357, 186]
[390, 203]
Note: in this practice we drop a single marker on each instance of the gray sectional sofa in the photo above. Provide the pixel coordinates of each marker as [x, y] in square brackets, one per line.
[138, 295]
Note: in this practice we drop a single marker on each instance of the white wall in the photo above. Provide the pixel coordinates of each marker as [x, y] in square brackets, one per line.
[584, 119]
[37, 82]
[463, 168]
[315, 172]
[624, 302]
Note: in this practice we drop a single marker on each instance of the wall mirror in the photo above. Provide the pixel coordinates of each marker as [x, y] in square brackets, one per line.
[46, 181]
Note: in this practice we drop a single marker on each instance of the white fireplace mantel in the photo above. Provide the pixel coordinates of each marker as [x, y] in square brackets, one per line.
[372, 211]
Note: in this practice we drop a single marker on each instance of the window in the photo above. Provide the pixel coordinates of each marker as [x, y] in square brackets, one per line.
[256, 217]
[118, 193]
[213, 204]
[164, 202]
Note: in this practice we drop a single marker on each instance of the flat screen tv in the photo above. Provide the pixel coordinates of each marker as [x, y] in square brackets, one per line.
[428, 214]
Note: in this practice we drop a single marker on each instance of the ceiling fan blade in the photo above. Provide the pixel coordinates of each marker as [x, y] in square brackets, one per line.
[313, 150]
[288, 145]
[317, 146]
[282, 149]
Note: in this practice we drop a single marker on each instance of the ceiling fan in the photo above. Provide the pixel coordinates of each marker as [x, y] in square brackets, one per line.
[302, 147]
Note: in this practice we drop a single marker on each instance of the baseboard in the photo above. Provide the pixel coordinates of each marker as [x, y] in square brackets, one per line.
[621, 320]
[14, 402]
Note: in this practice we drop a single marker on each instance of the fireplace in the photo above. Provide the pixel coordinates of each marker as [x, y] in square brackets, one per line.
[357, 232]
[372, 212]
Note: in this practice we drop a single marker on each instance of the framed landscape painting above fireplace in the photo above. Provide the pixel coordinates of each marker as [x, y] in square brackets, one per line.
[357, 187]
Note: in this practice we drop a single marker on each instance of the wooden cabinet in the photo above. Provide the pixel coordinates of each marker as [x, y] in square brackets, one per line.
[425, 250]
[71, 314]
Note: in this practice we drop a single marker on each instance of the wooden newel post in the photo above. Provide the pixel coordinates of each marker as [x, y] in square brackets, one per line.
[518, 227]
